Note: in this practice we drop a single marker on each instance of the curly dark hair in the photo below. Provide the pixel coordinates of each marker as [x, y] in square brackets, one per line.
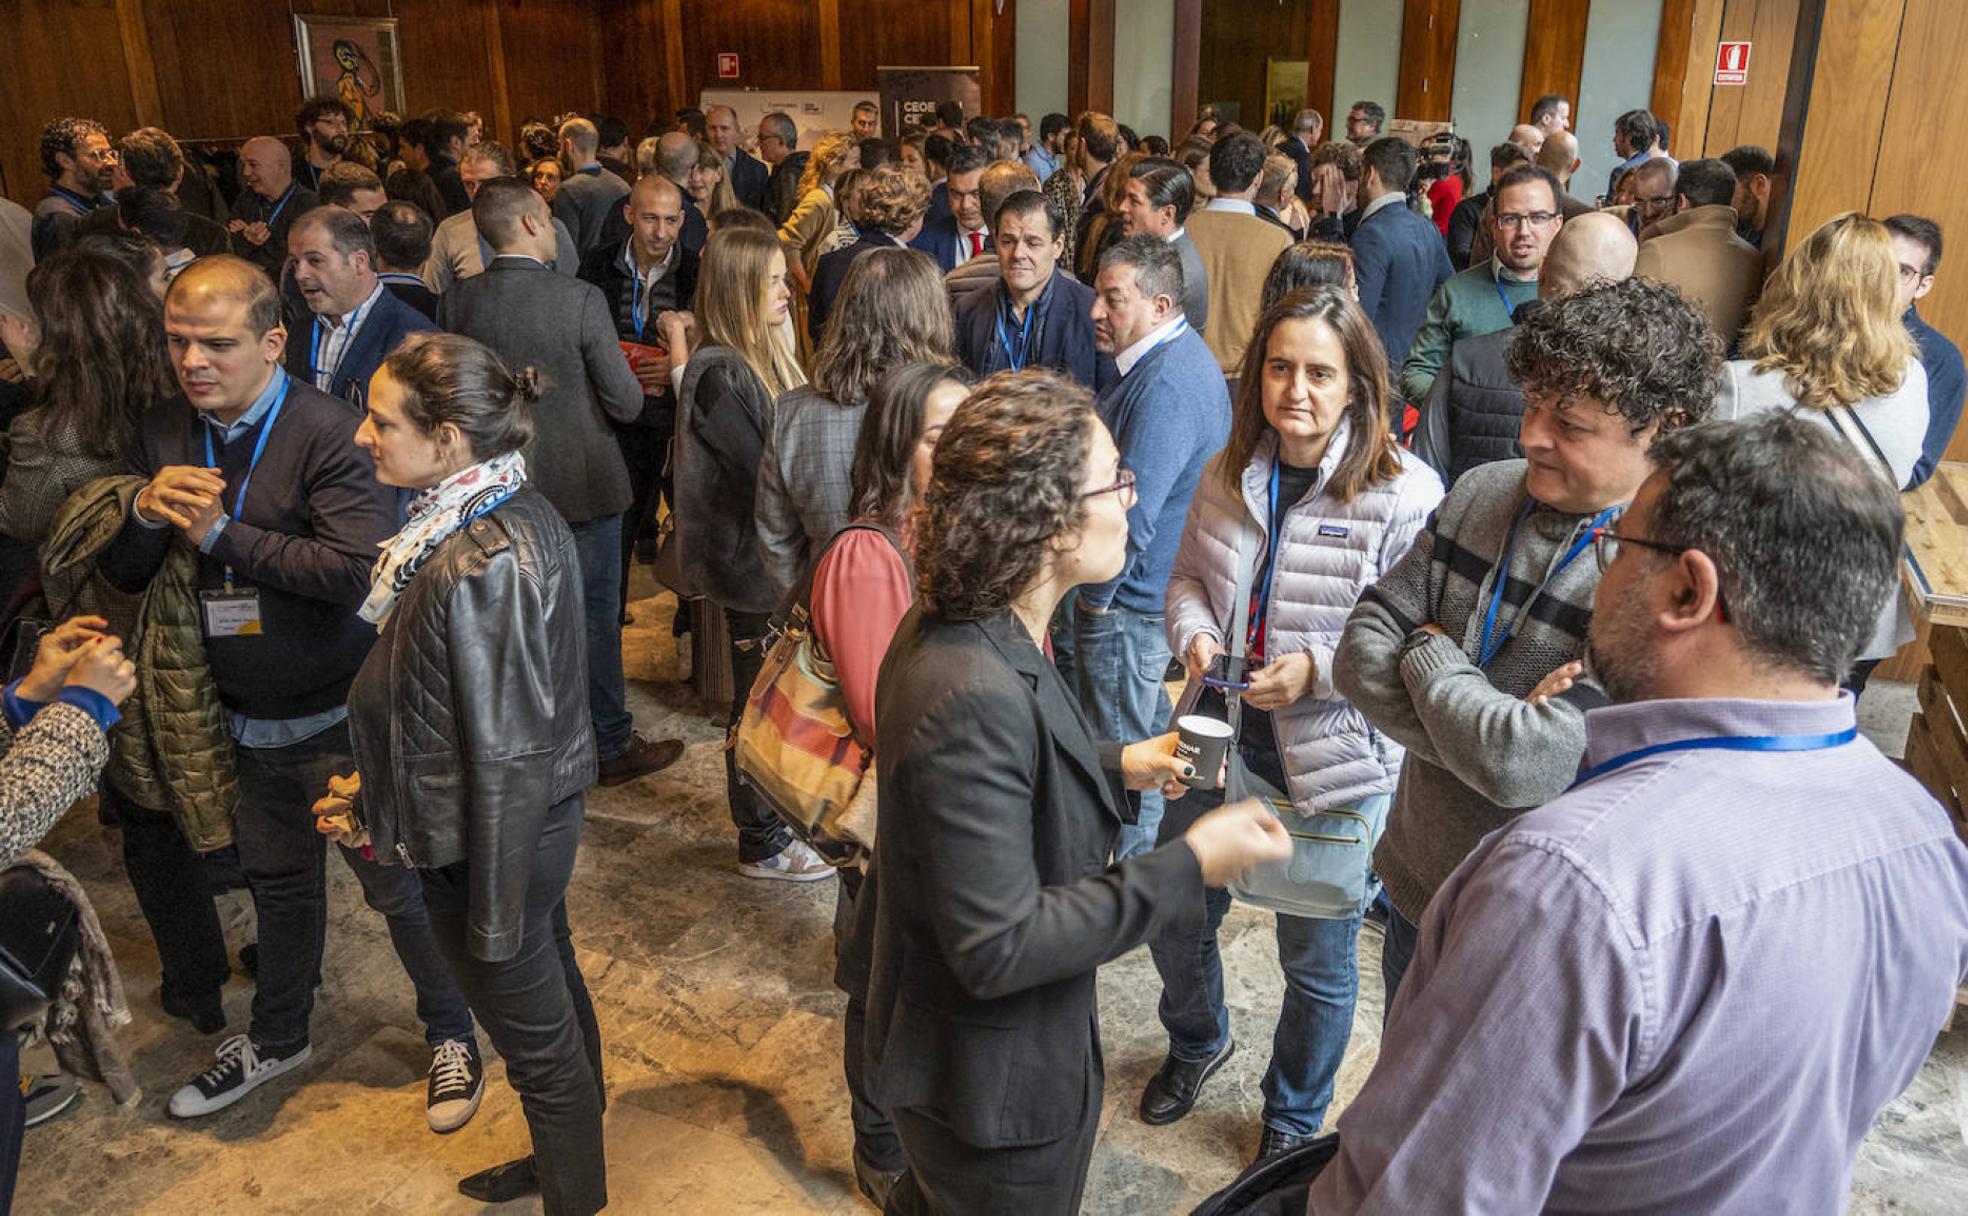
[61, 137]
[1637, 346]
[1006, 481]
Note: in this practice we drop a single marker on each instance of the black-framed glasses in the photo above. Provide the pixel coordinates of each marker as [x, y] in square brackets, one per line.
[1606, 546]
[1123, 486]
[1534, 219]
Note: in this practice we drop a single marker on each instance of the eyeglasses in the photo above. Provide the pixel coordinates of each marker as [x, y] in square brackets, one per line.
[1656, 201]
[1911, 274]
[1123, 486]
[1606, 546]
[1535, 219]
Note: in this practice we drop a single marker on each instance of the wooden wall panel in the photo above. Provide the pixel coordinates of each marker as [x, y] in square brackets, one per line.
[1554, 52]
[1237, 40]
[1090, 56]
[775, 41]
[1322, 63]
[892, 33]
[1185, 81]
[1750, 113]
[1428, 50]
[1684, 72]
[549, 60]
[1840, 144]
[63, 57]
[635, 79]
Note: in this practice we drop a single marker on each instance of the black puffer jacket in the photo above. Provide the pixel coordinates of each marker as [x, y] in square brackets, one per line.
[1474, 410]
[470, 717]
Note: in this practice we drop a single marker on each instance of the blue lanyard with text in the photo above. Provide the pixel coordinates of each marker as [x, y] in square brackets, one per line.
[282, 204]
[1725, 743]
[259, 449]
[1493, 644]
[1259, 617]
[1017, 361]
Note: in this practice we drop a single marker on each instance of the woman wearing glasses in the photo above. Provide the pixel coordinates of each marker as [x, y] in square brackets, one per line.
[1826, 341]
[1305, 508]
[992, 896]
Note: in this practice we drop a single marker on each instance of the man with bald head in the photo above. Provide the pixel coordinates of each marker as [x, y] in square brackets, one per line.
[257, 473]
[1560, 157]
[676, 159]
[1472, 411]
[355, 322]
[266, 209]
[1527, 137]
[564, 329]
[648, 274]
[746, 173]
[588, 193]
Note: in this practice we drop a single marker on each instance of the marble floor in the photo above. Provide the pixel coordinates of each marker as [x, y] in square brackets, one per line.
[722, 1034]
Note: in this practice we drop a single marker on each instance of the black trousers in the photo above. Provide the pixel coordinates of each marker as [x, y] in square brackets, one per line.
[13, 1118]
[536, 1009]
[645, 447]
[760, 833]
[874, 1132]
[948, 1177]
[175, 894]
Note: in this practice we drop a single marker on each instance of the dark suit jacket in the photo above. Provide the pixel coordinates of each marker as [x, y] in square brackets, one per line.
[1065, 342]
[990, 912]
[1301, 156]
[938, 239]
[444, 175]
[603, 268]
[828, 275]
[202, 236]
[782, 187]
[1398, 262]
[388, 323]
[584, 203]
[939, 203]
[748, 178]
[416, 295]
[560, 327]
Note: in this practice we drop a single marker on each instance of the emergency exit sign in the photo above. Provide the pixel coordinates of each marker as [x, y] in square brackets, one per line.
[728, 63]
[1732, 63]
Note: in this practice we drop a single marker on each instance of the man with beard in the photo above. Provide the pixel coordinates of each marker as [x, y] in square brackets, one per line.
[76, 157]
[1481, 299]
[1689, 982]
[1466, 652]
[324, 124]
[1034, 316]
[356, 321]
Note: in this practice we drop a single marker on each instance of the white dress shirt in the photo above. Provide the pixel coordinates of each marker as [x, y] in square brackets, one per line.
[1126, 360]
[333, 335]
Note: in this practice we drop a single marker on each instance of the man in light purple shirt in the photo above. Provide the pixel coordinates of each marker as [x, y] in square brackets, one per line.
[1689, 983]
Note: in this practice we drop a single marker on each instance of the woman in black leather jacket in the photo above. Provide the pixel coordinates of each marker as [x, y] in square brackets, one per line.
[472, 735]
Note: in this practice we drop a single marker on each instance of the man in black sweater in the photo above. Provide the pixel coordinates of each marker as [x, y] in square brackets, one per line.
[261, 473]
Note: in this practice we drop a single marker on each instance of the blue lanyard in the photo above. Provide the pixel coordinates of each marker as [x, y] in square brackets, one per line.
[1263, 613]
[259, 448]
[1017, 361]
[282, 204]
[1509, 309]
[1725, 743]
[638, 305]
[1493, 644]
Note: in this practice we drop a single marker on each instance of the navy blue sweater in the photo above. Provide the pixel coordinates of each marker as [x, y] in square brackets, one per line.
[1946, 381]
[1169, 415]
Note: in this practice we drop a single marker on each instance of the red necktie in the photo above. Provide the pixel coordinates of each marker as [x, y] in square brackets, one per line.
[977, 244]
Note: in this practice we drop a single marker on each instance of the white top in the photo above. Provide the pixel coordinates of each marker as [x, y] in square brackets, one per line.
[1232, 204]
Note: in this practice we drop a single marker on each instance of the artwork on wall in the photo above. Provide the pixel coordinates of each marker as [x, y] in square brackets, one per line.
[353, 58]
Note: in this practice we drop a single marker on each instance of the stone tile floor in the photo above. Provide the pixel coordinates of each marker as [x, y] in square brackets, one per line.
[722, 1034]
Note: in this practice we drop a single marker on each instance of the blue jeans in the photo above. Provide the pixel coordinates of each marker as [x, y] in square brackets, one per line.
[599, 543]
[1397, 951]
[1120, 657]
[285, 862]
[1322, 977]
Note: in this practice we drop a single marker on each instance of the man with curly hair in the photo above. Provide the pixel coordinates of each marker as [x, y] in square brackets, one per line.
[1467, 653]
[76, 158]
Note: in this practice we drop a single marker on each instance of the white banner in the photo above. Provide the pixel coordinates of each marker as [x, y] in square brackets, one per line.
[813, 112]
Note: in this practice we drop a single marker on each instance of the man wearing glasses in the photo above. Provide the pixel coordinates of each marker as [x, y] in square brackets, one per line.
[1917, 248]
[1481, 299]
[1696, 247]
[1467, 652]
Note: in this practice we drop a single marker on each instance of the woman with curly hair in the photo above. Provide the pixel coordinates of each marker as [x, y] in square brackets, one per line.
[890, 202]
[1826, 341]
[892, 309]
[991, 893]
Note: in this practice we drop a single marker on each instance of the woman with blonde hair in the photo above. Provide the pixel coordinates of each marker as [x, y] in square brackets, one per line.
[1826, 341]
[724, 398]
[716, 193]
[814, 227]
[892, 309]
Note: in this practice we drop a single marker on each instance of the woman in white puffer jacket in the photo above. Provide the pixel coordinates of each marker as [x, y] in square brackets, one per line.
[1309, 444]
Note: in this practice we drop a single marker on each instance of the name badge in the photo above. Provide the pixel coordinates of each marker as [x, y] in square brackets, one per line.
[232, 614]
[1332, 530]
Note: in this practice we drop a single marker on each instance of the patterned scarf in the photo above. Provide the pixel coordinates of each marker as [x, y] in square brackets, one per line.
[434, 515]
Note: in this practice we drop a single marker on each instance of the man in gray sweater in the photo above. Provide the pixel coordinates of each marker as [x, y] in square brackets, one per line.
[1468, 652]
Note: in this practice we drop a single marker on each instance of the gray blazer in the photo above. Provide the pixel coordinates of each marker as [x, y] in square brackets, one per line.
[584, 202]
[1195, 283]
[560, 327]
[804, 482]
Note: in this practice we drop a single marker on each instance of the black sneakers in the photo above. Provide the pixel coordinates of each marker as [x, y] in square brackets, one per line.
[242, 1067]
[457, 1083]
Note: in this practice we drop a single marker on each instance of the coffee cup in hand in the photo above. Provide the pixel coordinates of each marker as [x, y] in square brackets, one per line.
[1203, 742]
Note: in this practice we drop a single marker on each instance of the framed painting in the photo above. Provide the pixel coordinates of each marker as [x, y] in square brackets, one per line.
[353, 58]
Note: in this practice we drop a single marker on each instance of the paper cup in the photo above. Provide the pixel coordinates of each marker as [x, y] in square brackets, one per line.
[1202, 742]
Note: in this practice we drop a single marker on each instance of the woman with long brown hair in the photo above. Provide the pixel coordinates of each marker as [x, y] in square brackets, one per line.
[892, 309]
[724, 399]
[1313, 489]
[1826, 341]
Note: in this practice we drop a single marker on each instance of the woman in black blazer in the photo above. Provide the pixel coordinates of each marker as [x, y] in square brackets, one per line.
[992, 897]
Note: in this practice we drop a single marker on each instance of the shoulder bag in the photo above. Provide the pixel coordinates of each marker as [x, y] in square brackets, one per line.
[40, 931]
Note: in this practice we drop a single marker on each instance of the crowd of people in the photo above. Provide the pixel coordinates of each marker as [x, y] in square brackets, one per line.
[1533, 550]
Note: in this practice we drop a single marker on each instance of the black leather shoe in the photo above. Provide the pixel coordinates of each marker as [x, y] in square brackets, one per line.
[874, 1183]
[1276, 1144]
[502, 1183]
[206, 1017]
[1173, 1088]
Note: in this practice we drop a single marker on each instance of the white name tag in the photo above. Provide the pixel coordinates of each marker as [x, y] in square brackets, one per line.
[231, 614]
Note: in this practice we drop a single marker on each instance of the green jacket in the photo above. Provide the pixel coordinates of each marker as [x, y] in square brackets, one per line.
[172, 750]
[1466, 305]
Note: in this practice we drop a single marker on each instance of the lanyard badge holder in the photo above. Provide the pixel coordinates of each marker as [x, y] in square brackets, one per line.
[231, 611]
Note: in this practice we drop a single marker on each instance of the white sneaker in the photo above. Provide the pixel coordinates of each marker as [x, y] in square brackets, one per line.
[794, 863]
[240, 1070]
